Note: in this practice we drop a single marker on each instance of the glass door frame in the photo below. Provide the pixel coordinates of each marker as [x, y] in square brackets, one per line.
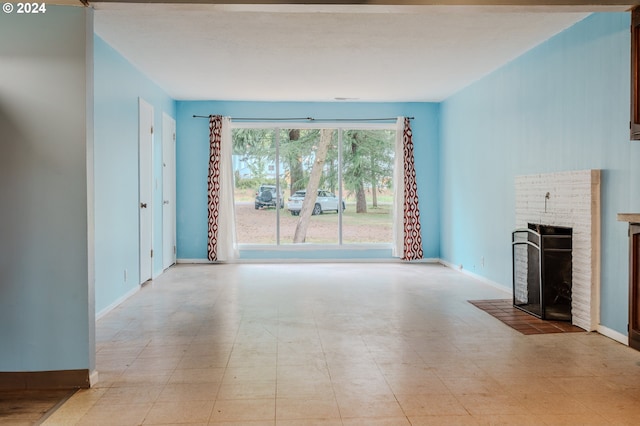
[340, 127]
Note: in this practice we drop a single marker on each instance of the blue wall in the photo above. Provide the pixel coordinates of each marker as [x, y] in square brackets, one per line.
[193, 154]
[46, 273]
[561, 106]
[118, 85]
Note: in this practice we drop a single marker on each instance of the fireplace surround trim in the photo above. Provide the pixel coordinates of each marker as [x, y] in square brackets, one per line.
[573, 201]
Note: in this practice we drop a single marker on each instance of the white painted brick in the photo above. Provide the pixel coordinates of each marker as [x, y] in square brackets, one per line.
[574, 201]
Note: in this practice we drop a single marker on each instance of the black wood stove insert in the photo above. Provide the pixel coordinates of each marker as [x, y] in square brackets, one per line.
[542, 271]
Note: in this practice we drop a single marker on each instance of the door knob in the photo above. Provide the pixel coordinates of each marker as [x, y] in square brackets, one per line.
[143, 205]
[165, 202]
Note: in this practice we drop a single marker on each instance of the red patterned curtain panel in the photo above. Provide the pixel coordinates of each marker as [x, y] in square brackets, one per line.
[215, 142]
[411, 212]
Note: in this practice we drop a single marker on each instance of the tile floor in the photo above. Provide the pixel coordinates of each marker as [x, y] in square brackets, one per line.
[525, 323]
[342, 344]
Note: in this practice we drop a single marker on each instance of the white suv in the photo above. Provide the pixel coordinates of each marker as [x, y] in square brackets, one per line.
[326, 201]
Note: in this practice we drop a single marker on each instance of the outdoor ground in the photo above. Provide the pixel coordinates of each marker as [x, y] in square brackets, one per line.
[259, 226]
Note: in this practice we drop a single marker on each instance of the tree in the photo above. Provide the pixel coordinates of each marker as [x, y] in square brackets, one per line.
[309, 202]
[358, 173]
[293, 159]
[295, 146]
[368, 159]
[256, 148]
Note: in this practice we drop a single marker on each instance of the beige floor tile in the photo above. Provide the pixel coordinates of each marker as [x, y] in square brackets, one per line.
[305, 389]
[431, 405]
[368, 421]
[188, 392]
[213, 344]
[318, 409]
[142, 378]
[244, 409]
[309, 422]
[242, 374]
[131, 395]
[174, 412]
[524, 385]
[247, 390]
[349, 371]
[441, 420]
[409, 385]
[252, 360]
[452, 370]
[552, 403]
[509, 420]
[109, 415]
[155, 350]
[211, 360]
[367, 408]
[197, 375]
[581, 385]
[471, 385]
[159, 363]
[310, 372]
[487, 404]
[368, 387]
[63, 416]
[575, 419]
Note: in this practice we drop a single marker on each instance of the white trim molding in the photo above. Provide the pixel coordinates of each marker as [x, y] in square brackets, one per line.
[480, 278]
[115, 304]
[612, 334]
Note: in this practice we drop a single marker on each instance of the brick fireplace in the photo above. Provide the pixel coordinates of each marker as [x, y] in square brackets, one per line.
[572, 200]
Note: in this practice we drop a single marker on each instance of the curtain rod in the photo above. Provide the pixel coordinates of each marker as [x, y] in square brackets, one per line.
[305, 119]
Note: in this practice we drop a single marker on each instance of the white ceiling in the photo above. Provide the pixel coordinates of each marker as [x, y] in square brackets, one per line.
[320, 53]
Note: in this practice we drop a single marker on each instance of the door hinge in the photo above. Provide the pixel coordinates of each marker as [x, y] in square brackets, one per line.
[151, 129]
[174, 249]
[174, 137]
[151, 253]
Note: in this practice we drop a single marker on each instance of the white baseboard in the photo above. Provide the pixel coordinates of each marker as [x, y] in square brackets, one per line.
[358, 260]
[612, 334]
[112, 306]
[194, 261]
[480, 278]
[94, 377]
[426, 260]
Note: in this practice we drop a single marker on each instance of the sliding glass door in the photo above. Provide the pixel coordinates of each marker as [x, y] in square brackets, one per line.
[367, 170]
[313, 185]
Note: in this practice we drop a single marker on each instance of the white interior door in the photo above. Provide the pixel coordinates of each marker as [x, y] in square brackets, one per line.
[168, 191]
[145, 190]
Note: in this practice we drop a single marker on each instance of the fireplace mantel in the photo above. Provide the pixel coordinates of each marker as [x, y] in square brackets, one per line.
[629, 217]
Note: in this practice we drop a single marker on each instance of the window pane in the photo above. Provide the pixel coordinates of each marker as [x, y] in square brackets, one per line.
[256, 192]
[272, 178]
[299, 149]
[367, 174]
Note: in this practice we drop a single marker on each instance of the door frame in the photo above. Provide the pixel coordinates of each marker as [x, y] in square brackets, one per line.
[634, 285]
[168, 190]
[145, 174]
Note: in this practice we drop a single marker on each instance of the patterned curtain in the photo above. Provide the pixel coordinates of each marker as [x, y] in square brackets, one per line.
[221, 242]
[408, 245]
[215, 142]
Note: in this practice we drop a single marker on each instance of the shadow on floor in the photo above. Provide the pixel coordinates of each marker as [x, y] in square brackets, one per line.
[30, 407]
